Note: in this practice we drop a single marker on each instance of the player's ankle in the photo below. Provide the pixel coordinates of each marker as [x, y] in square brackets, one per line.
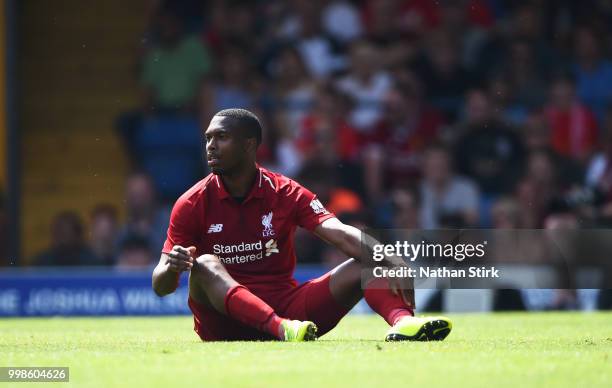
[274, 326]
[281, 329]
[397, 315]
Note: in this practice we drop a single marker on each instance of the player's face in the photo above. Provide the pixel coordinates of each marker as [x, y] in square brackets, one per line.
[225, 146]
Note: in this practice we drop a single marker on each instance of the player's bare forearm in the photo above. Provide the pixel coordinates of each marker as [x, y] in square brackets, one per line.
[165, 281]
[350, 240]
[167, 272]
[344, 237]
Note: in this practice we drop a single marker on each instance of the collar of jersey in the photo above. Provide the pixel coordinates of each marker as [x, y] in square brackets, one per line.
[257, 191]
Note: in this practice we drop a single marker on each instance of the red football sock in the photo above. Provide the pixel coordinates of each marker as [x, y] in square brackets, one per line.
[380, 299]
[242, 305]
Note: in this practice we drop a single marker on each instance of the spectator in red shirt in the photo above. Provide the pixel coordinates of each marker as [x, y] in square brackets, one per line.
[400, 139]
[421, 15]
[573, 125]
[325, 133]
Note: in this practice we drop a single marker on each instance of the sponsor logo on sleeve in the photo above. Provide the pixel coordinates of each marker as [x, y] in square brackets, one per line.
[317, 207]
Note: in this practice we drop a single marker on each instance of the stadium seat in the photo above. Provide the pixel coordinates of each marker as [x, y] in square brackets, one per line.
[74, 82]
[170, 150]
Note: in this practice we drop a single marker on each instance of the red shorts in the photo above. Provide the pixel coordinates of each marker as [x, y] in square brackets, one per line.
[310, 301]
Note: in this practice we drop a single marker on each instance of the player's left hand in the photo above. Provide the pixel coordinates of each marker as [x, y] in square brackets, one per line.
[180, 259]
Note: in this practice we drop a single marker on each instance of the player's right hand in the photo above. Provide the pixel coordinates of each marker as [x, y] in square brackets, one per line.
[180, 259]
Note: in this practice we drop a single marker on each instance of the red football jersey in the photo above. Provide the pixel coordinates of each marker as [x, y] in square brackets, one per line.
[254, 239]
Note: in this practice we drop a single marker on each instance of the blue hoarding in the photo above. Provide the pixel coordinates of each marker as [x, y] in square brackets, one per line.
[70, 292]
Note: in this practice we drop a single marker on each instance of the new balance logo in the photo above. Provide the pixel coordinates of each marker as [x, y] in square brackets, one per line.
[215, 228]
[317, 206]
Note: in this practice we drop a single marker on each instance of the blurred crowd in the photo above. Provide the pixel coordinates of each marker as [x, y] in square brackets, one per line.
[397, 113]
[134, 243]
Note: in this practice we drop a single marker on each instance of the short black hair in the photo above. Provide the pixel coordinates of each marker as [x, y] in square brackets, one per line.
[245, 119]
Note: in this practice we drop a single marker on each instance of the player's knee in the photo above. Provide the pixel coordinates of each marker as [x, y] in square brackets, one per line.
[351, 271]
[207, 265]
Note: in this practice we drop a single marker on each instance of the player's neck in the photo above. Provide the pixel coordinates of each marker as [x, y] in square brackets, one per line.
[239, 183]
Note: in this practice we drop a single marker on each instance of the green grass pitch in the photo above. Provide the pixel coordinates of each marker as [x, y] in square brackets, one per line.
[500, 350]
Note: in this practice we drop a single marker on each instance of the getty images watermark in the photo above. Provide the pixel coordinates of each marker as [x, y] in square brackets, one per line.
[425, 250]
[489, 258]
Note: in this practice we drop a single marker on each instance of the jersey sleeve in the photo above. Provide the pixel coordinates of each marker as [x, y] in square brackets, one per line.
[309, 212]
[183, 228]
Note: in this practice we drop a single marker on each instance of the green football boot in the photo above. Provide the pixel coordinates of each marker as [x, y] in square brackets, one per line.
[420, 329]
[299, 331]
